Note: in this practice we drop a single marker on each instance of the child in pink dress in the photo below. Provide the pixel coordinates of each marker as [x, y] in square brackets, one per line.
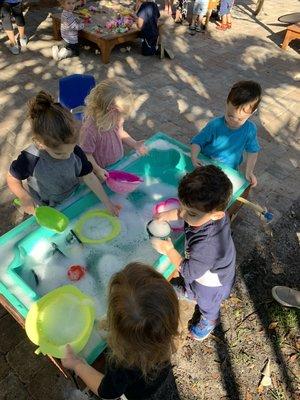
[103, 134]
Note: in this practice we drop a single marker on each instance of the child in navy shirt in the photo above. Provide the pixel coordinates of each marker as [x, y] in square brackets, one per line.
[147, 21]
[207, 268]
[226, 138]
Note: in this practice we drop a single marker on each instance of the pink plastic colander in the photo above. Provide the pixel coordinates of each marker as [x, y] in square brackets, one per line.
[167, 205]
[122, 182]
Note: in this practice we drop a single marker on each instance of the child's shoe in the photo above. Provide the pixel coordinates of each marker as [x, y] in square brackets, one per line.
[14, 49]
[55, 50]
[222, 27]
[203, 329]
[23, 41]
[192, 27]
[198, 28]
[229, 25]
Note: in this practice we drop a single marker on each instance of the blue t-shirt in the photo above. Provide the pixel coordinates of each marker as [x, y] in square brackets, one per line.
[227, 145]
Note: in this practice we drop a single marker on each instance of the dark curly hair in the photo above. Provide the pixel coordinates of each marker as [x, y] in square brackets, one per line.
[205, 189]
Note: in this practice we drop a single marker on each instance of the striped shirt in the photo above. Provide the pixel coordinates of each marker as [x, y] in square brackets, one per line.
[69, 27]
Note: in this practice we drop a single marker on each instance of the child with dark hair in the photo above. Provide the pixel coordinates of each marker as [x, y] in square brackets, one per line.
[226, 138]
[207, 269]
[9, 9]
[54, 164]
[142, 324]
[147, 21]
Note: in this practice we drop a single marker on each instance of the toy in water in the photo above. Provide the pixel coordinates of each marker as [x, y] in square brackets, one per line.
[267, 215]
[63, 316]
[167, 205]
[158, 229]
[123, 182]
[76, 272]
[49, 217]
[90, 224]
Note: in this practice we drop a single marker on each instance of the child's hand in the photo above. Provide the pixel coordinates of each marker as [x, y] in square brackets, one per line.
[101, 173]
[162, 246]
[171, 215]
[140, 147]
[114, 209]
[196, 163]
[251, 178]
[28, 205]
[70, 359]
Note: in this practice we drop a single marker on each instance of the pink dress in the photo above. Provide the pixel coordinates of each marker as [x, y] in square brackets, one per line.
[105, 147]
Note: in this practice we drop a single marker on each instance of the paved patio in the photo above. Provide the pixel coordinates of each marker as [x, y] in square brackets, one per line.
[177, 97]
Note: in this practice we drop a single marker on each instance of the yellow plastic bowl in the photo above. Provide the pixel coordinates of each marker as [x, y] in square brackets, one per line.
[114, 223]
[63, 316]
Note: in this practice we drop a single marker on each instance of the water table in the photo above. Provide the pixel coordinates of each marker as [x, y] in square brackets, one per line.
[35, 260]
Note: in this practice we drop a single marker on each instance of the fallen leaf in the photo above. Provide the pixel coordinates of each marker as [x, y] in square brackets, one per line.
[260, 389]
[248, 396]
[266, 381]
[273, 325]
[266, 375]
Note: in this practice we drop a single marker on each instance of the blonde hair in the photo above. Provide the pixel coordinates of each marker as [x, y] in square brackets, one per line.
[51, 123]
[108, 102]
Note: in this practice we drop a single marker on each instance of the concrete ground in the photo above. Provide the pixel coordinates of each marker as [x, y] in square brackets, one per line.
[177, 97]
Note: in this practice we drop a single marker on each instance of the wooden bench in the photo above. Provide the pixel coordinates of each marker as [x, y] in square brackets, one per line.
[292, 33]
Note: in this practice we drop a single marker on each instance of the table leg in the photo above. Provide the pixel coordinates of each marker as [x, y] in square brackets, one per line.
[287, 39]
[235, 207]
[105, 48]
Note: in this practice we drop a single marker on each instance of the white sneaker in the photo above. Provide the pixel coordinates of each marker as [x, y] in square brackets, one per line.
[14, 49]
[23, 41]
[55, 50]
[63, 53]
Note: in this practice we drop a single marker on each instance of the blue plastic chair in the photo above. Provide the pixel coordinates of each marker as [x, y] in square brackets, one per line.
[73, 90]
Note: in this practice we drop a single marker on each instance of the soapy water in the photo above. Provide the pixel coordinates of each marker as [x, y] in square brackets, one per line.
[100, 260]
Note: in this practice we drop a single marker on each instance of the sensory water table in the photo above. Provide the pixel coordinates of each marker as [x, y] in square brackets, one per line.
[29, 269]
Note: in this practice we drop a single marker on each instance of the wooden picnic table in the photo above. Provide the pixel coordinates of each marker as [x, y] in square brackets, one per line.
[97, 33]
[292, 33]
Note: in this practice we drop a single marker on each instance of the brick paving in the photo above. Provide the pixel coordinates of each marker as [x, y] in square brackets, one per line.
[179, 97]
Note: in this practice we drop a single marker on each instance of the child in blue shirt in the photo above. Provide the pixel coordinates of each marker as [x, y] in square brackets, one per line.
[207, 269]
[226, 138]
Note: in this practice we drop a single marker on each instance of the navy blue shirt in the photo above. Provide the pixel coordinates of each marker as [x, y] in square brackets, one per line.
[209, 255]
[149, 12]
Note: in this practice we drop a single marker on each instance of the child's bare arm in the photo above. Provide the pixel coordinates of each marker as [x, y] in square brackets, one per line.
[167, 248]
[137, 145]
[16, 187]
[250, 164]
[195, 150]
[90, 376]
[100, 172]
[139, 22]
[93, 183]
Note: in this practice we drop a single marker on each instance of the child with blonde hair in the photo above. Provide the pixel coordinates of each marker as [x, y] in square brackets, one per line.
[103, 134]
[54, 164]
[142, 319]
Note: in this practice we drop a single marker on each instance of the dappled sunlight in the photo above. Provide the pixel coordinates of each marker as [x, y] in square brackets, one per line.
[134, 65]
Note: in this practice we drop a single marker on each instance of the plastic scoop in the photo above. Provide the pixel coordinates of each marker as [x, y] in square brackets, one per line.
[49, 217]
[122, 182]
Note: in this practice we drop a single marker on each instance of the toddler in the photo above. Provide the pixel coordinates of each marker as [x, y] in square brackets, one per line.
[53, 165]
[107, 105]
[142, 318]
[226, 138]
[225, 13]
[13, 8]
[207, 269]
[199, 11]
[147, 21]
[70, 25]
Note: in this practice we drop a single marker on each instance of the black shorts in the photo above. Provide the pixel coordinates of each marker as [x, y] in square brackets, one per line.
[12, 10]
